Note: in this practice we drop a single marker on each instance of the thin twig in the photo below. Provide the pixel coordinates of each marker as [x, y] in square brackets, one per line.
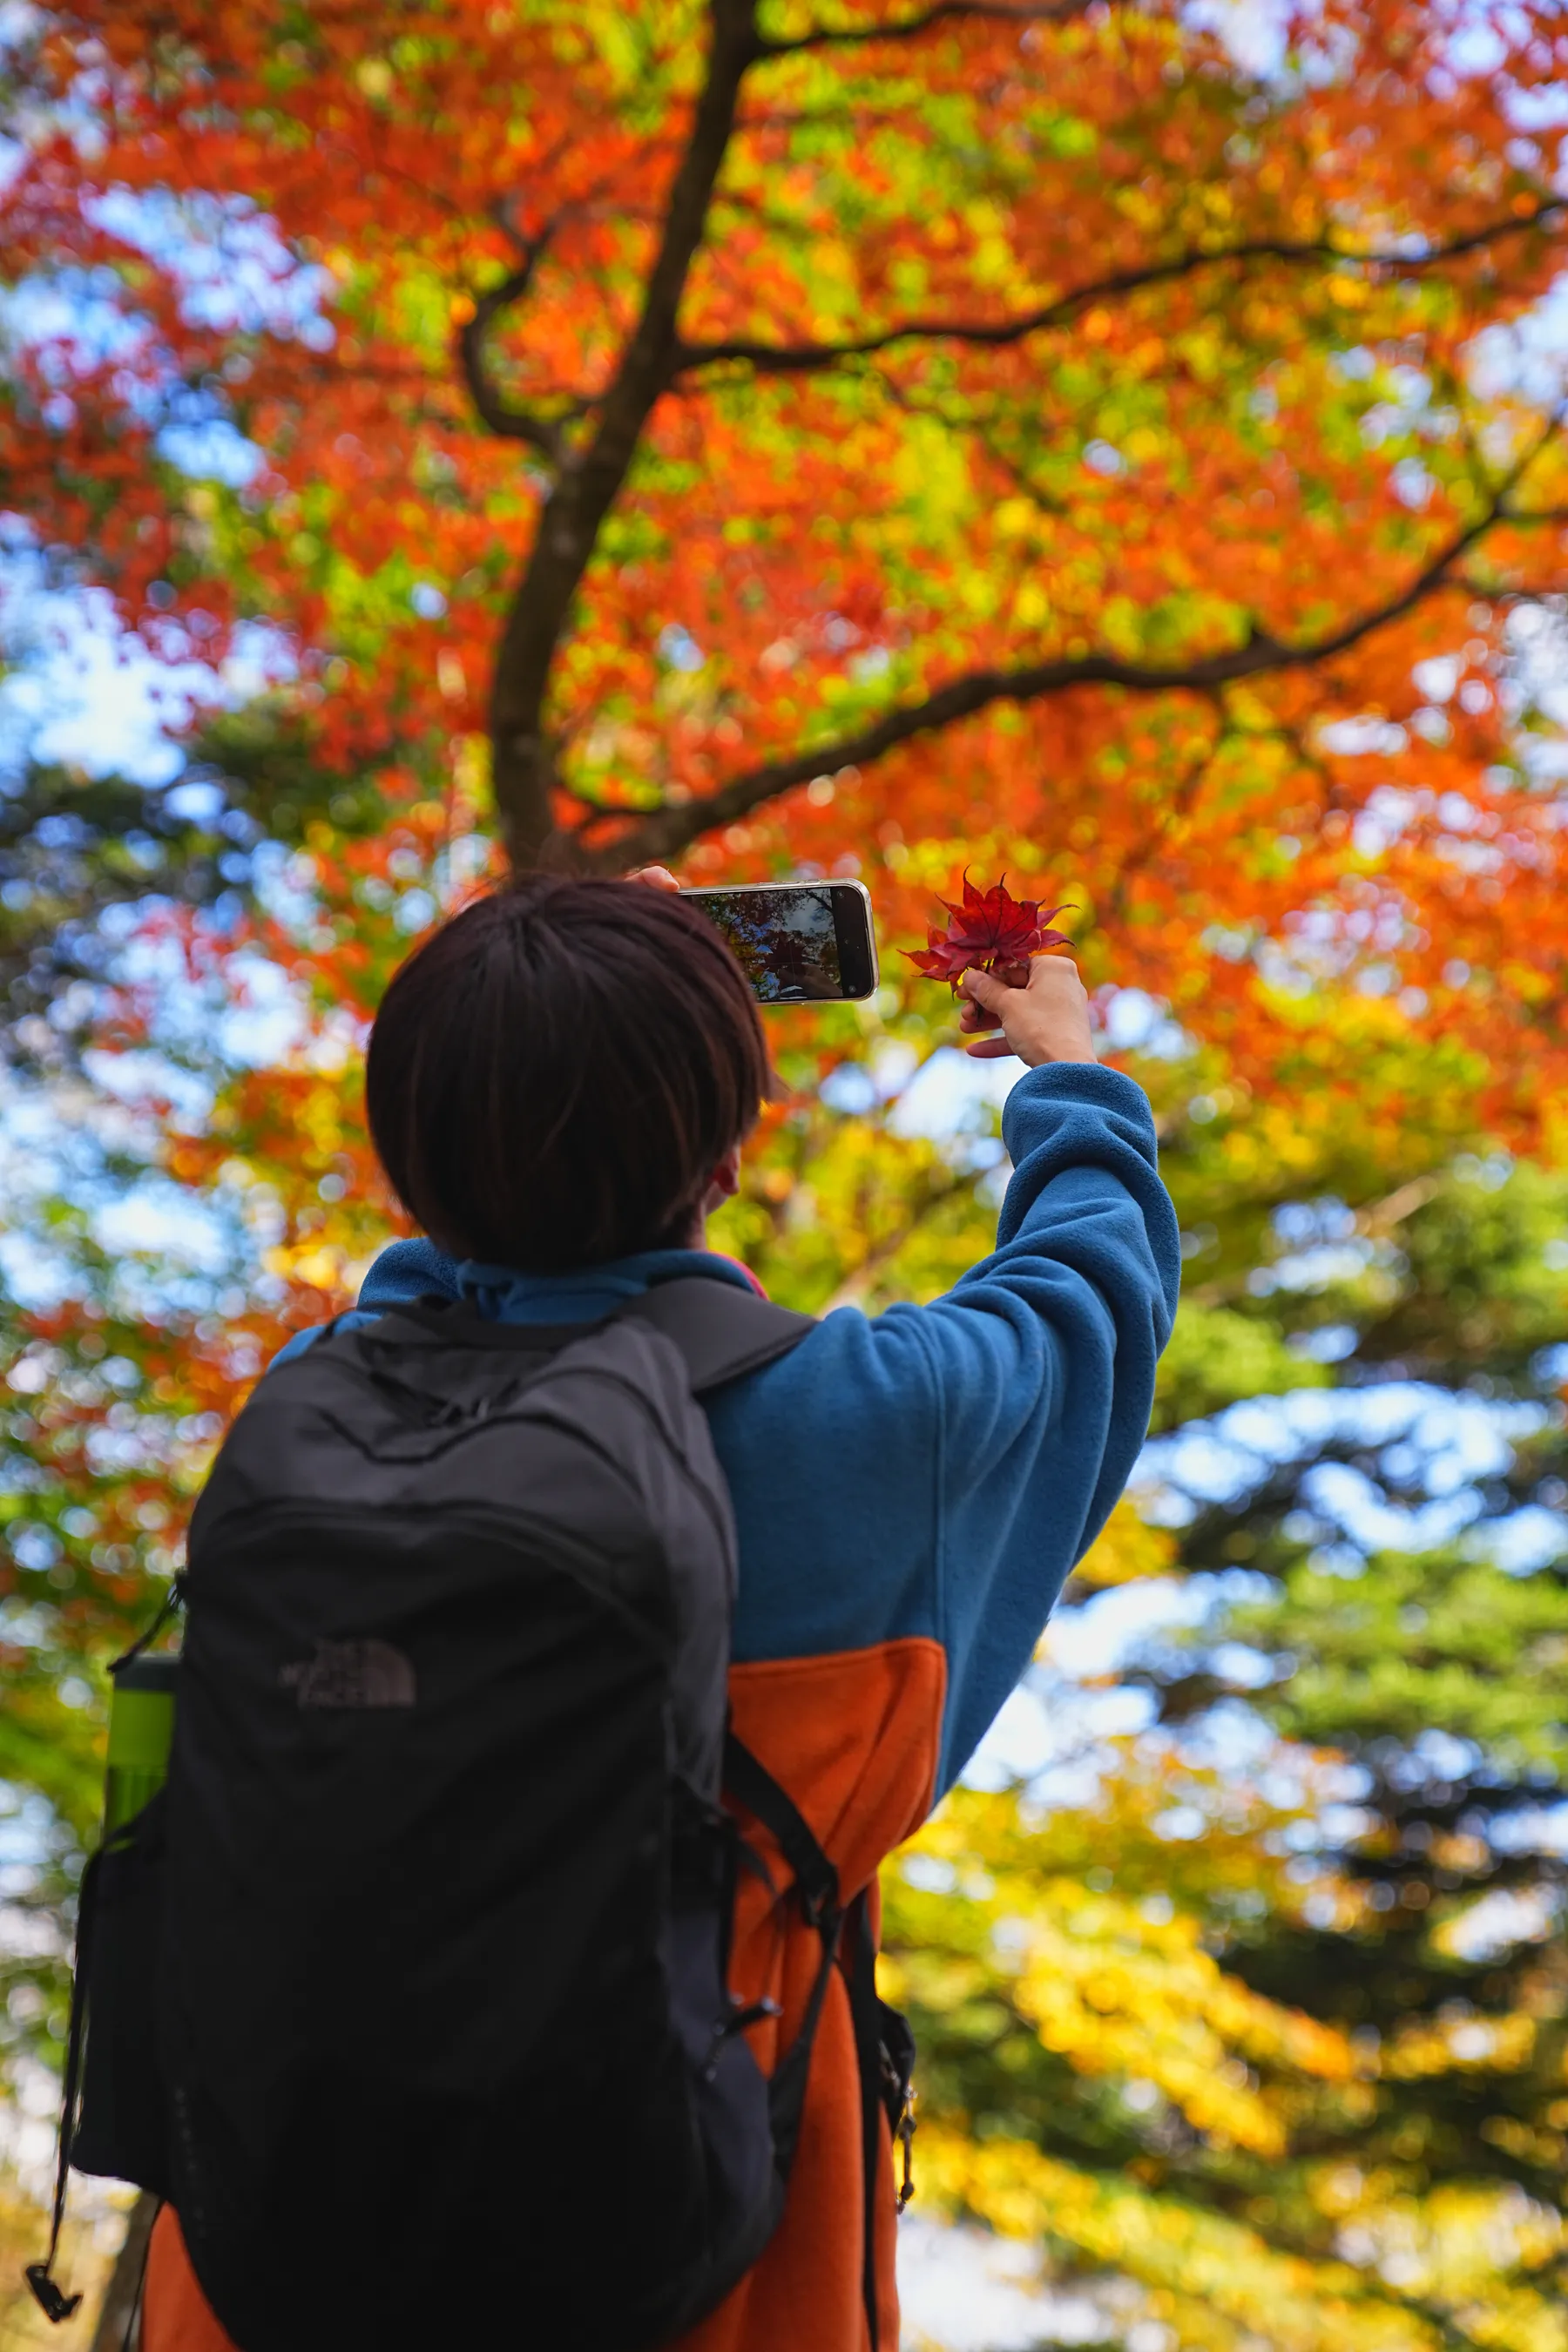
[801, 359]
[1260, 654]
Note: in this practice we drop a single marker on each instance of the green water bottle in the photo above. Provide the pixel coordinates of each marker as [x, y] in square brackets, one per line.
[140, 1731]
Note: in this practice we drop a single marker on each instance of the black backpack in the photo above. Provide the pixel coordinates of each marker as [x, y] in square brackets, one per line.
[411, 1989]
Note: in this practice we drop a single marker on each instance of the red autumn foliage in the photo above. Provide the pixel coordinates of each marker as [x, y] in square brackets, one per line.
[1162, 609]
[990, 931]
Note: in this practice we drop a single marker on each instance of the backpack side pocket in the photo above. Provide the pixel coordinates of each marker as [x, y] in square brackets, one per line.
[120, 2129]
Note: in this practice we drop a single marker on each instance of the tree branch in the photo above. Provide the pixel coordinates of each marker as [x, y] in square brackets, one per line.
[978, 428]
[669, 830]
[510, 423]
[801, 359]
[909, 28]
[862, 1277]
[523, 766]
[1373, 1220]
[1195, 776]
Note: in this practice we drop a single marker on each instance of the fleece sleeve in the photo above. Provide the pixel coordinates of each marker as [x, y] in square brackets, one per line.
[935, 1471]
[1043, 1357]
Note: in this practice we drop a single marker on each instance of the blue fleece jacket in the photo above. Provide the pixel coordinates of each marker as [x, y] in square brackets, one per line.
[933, 1470]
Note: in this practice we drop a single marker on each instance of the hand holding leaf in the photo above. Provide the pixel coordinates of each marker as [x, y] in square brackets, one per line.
[990, 931]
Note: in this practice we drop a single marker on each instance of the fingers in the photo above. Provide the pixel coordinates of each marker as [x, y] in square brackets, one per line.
[1045, 971]
[984, 988]
[988, 993]
[1040, 1007]
[657, 877]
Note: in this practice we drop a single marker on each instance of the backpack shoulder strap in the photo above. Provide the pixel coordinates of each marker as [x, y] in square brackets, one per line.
[721, 1330]
[749, 1784]
[847, 1937]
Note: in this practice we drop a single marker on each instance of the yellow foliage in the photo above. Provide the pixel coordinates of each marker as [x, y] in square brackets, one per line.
[1466, 2044]
[1088, 1946]
[320, 1266]
[1126, 1549]
[1118, 1992]
[1227, 2277]
[86, 2258]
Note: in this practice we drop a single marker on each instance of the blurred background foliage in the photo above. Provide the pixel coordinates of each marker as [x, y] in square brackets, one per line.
[1238, 1962]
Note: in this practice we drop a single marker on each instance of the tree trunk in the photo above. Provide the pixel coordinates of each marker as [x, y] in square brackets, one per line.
[124, 2293]
[524, 755]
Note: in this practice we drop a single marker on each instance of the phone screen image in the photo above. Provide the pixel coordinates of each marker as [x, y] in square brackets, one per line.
[785, 940]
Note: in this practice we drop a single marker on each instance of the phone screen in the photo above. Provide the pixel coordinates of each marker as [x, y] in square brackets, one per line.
[797, 943]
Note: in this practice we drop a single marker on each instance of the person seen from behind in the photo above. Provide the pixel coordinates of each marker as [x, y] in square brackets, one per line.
[559, 1084]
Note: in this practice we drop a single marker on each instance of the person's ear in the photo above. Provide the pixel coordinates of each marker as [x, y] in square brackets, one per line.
[724, 1182]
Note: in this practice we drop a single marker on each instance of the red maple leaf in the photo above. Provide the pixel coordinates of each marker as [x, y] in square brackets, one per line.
[992, 931]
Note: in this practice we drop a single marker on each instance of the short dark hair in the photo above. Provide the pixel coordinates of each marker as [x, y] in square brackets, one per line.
[555, 1075]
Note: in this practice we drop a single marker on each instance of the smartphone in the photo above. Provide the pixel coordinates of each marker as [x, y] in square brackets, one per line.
[797, 943]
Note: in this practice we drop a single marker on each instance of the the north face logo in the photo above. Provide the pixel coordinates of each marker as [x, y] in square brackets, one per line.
[351, 1675]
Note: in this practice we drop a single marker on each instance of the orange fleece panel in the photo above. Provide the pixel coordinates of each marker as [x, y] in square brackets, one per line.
[854, 1738]
[175, 2315]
